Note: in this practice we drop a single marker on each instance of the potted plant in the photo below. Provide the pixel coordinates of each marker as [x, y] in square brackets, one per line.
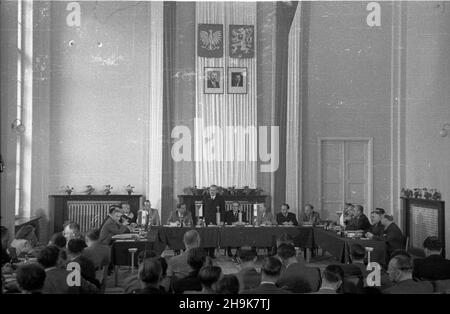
[108, 189]
[89, 189]
[129, 188]
[67, 189]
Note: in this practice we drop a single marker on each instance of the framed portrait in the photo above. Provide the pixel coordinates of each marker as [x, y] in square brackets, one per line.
[237, 80]
[214, 81]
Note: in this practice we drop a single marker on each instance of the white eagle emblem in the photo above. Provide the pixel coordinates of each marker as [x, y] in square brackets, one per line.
[211, 40]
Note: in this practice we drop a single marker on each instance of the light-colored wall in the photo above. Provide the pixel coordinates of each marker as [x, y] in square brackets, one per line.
[428, 99]
[348, 89]
[99, 96]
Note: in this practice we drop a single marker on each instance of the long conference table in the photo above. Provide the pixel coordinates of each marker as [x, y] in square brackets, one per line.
[159, 238]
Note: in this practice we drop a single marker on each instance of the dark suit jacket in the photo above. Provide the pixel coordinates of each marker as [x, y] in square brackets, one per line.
[290, 217]
[87, 269]
[394, 238]
[248, 278]
[210, 210]
[300, 279]
[188, 283]
[111, 228]
[266, 288]
[149, 290]
[99, 254]
[410, 287]
[360, 223]
[433, 267]
[377, 229]
[230, 218]
[56, 283]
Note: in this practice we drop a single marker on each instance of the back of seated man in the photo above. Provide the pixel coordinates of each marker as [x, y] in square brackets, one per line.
[297, 277]
[178, 265]
[98, 253]
[196, 260]
[30, 278]
[56, 278]
[75, 249]
[434, 266]
[248, 276]
[150, 275]
[209, 276]
[58, 240]
[270, 274]
[400, 272]
[332, 278]
[131, 283]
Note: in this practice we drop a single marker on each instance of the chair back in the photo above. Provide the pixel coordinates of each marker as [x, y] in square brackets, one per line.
[441, 286]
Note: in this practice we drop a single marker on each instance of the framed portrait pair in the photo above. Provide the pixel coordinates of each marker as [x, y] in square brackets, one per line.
[214, 80]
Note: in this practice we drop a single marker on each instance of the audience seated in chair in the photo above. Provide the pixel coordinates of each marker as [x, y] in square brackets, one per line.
[75, 249]
[25, 240]
[56, 278]
[297, 277]
[400, 270]
[132, 283]
[247, 276]
[270, 275]
[178, 265]
[196, 260]
[58, 240]
[150, 275]
[434, 266]
[98, 253]
[229, 284]
[30, 278]
[209, 276]
[71, 231]
[332, 278]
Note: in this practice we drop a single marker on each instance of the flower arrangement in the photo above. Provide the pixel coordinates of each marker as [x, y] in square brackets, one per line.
[423, 193]
[108, 189]
[89, 189]
[67, 189]
[129, 188]
[245, 191]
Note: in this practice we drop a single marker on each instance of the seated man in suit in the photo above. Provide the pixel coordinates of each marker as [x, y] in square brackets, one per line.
[359, 220]
[196, 260]
[392, 235]
[285, 218]
[433, 266]
[112, 227]
[231, 218]
[181, 216]
[297, 277]
[248, 276]
[270, 274]
[150, 275]
[178, 265]
[71, 231]
[332, 278]
[98, 253]
[56, 277]
[400, 272]
[75, 249]
[377, 227]
[30, 278]
[309, 215]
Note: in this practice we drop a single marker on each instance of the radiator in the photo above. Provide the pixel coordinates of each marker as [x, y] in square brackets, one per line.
[89, 214]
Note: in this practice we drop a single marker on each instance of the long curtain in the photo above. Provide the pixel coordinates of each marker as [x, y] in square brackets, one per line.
[294, 114]
[155, 117]
[232, 161]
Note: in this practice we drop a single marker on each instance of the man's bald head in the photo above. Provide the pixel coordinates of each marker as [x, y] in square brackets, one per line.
[191, 239]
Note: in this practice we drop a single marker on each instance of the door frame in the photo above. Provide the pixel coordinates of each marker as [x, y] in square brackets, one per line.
[369, 141]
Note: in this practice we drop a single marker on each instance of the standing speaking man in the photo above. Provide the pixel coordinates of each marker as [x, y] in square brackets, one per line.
[211, 203]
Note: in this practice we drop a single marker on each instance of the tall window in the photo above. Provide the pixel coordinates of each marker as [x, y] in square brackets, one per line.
[24, 106]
